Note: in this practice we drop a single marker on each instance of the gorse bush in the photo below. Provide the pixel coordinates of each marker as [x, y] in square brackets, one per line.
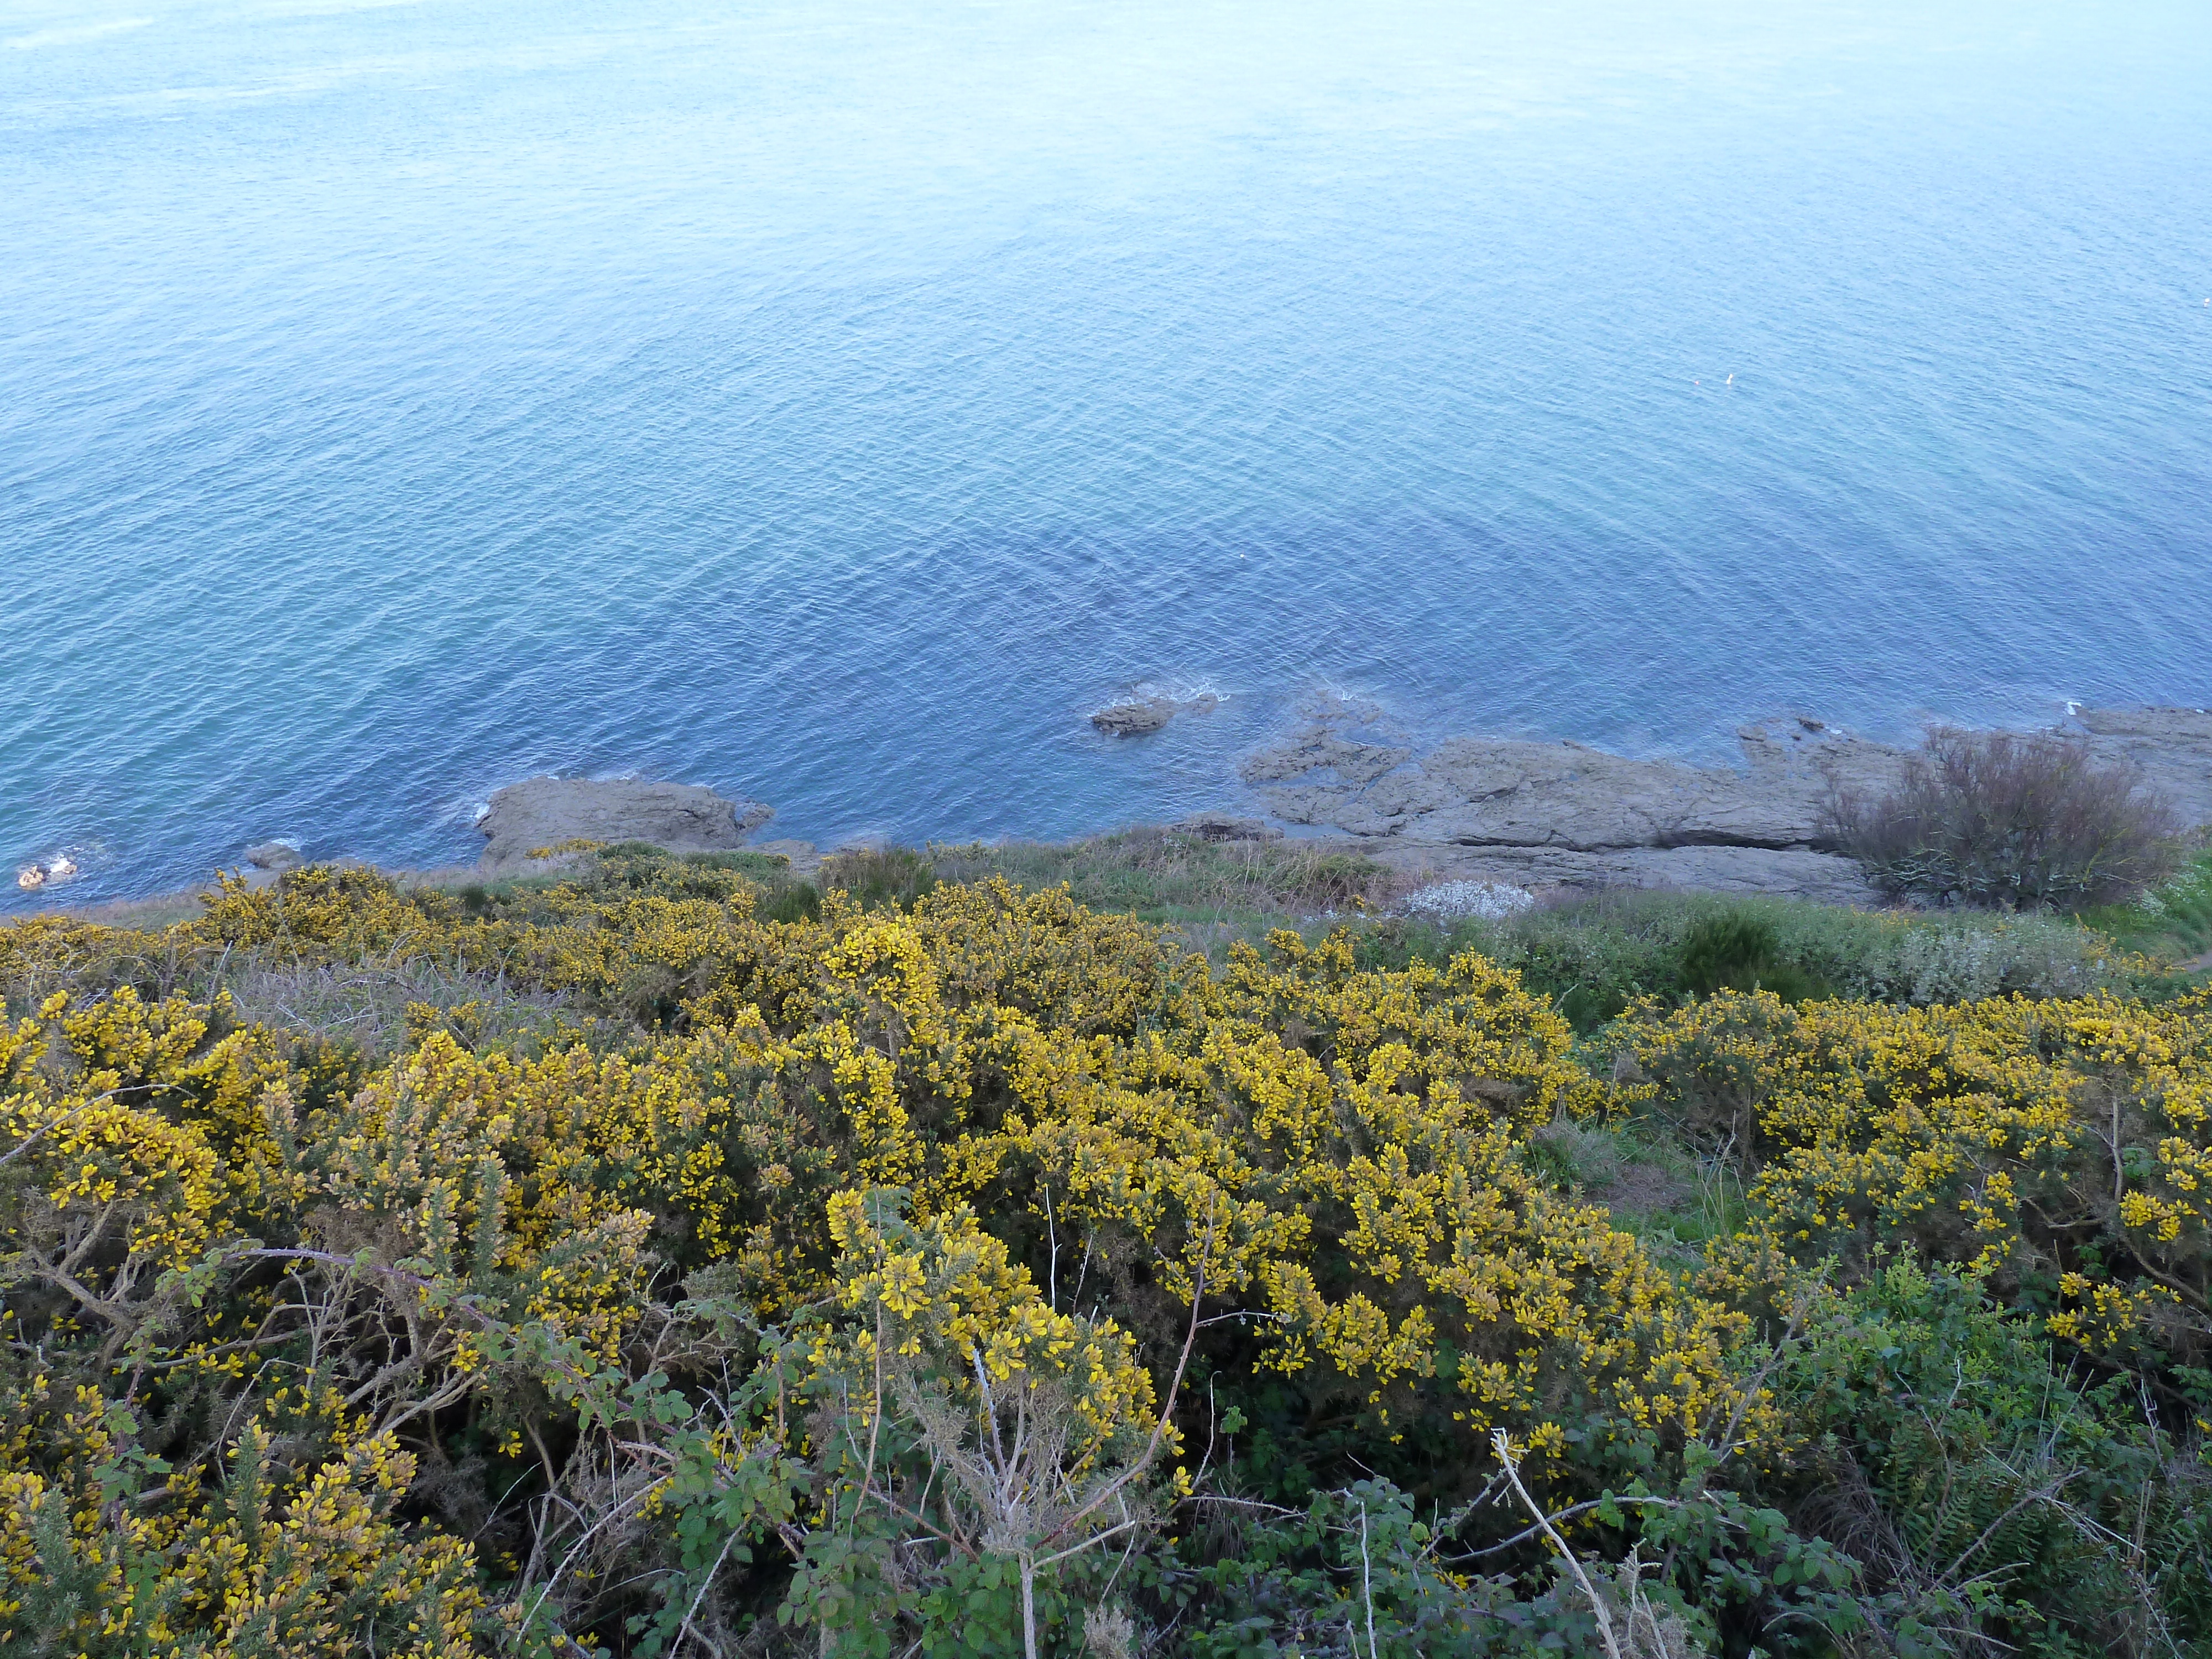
[2011, 820]
[2062, 1150]
[1173, 875]
[975, 1273]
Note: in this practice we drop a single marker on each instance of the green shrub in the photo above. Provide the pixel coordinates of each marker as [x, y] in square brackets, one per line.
[2173, 920]
[2043, 1512]
[791, 901]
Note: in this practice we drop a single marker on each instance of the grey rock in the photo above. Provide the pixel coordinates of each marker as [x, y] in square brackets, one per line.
[1340, 762]
[1563, 815]
[545, 811]
[1799, 753]
[1494, 791]
[2171, 749]
[1139, 715]
[1823, 878]
[801, 854]
[274, 855]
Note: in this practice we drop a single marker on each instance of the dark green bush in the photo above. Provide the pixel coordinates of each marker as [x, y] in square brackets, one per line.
[791, 901]
[2044, 1510]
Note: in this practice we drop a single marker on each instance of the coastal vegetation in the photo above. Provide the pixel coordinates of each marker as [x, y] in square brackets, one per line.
[1023, 1251]
[2009, 819]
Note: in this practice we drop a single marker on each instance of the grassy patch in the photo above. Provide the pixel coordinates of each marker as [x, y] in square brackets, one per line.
[1593, 957]
[2172, 921]
[877, 876]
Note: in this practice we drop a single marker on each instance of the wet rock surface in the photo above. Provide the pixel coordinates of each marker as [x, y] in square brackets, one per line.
[1133, 719]
[1147, 713]
[545, 811]
[274, 855]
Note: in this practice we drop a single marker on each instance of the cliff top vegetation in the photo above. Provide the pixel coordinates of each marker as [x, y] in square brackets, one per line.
[672, 1257]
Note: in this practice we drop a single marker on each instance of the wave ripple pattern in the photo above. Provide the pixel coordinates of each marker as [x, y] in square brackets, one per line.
[836, 404]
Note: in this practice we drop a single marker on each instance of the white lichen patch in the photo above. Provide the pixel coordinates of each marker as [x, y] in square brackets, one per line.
[1455, 901]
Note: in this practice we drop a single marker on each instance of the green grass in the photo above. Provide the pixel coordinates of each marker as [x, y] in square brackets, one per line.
[2172, 922]
[1593, 957]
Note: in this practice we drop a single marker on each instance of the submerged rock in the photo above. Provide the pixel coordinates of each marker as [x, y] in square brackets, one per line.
[1141, 714]
[546, 812]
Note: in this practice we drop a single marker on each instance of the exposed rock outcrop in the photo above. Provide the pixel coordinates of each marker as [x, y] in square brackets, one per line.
[1496, 791]
[802, 856]
[1566, 815]
[546, 812]
[1133, 719]
[2171, 748]
[1823, 878]
[274, 855]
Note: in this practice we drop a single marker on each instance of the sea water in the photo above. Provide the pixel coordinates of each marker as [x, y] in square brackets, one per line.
[835, 404]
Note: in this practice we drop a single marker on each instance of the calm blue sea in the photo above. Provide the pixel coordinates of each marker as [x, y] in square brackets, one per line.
[835, 403]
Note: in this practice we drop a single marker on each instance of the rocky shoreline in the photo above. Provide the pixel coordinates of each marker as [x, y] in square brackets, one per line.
[1493, 811]
[1565, 815]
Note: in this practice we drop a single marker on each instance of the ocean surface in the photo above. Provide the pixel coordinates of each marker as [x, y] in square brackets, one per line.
[836, 404]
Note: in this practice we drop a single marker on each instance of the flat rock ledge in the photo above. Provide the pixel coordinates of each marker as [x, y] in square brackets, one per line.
[1566, 815]
[545, 811]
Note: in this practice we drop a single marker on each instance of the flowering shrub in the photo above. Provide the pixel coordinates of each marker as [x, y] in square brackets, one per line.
[908, 1272]
[2062, 1150]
